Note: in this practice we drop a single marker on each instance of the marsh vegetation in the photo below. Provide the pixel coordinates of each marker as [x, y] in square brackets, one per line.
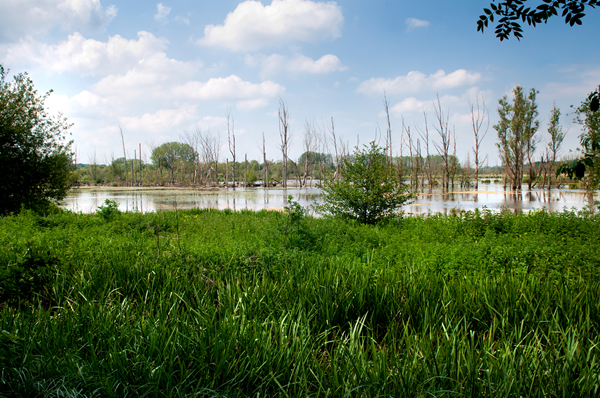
[205, 302]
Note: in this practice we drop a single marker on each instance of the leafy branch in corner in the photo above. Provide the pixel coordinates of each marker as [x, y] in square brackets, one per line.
[511, 13]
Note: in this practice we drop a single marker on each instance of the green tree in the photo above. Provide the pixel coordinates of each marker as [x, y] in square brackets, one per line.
[516, 130]
[169, 154]
[589, 165]
[509, 12]
[368, 190]
[35, 156]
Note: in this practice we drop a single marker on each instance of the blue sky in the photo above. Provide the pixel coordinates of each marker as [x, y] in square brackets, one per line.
[160, 69]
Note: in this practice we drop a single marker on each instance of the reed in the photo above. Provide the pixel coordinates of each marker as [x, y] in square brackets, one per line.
[480, 304]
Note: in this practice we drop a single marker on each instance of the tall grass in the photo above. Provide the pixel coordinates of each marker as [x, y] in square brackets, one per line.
[209, 303]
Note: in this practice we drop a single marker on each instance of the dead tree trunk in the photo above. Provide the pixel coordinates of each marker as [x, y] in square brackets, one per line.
[285, 136]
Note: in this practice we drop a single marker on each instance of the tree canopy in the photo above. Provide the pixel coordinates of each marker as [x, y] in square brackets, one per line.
[35, 156]
[509, 12]
[588, 117]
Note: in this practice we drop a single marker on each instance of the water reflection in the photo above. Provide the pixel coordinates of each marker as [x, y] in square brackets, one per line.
[491, 196]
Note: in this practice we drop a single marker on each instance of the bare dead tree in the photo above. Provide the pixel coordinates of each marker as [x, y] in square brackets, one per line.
[264, 148]
[192, 140]
[323, 149]
[226, 172]
[479, 116]
[388, 133]
[285, 135]
[334, 140]
[425, 137]
[231, 142]
[211, 152]
[309, 143]
[93, 165]
[410, 153]
[419, 165]
[443, 148]
[454, 162]
[140, 164]
[124, 152]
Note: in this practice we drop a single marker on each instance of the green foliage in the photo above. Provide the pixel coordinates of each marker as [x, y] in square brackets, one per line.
[589, 164]
[34, 156]
[509, 12]
[109, 210]
[477, 304]
[368, 190]
[22, 281]
[516, 129]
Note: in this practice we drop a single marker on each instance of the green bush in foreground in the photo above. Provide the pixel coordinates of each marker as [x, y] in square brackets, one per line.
[367, 191]
[209, 303]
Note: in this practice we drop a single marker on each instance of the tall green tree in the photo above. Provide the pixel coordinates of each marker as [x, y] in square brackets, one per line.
[368, 190]
[516, 131]
[35, 155]
[170, 154]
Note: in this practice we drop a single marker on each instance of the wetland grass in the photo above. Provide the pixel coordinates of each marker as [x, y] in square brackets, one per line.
[238, 304]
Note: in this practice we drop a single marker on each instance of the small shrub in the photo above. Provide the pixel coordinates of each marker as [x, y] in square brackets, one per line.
[109, 210]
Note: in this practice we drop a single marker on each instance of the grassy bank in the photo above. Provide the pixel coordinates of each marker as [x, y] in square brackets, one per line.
[220, 303]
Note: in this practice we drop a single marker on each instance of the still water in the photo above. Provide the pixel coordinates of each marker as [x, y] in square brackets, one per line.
[491, 196]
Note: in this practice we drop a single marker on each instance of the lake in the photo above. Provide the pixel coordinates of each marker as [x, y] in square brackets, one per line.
[491, 196]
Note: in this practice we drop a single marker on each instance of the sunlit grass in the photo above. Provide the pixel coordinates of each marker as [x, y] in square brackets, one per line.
[221, 303]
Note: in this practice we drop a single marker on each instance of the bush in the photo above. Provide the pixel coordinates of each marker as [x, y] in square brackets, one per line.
[368, 191]
[108, 210]
[35, 157]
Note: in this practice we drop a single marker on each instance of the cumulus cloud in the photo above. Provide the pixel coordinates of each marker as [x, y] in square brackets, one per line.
[452, 105]
[20, 18]
[276, 63]
[252, 104]
[417, 81]
[231, 87]
[151, 77]
[412, 23]
[86, 57]
[252, 26]
[161, 13]
[163, 120]
[408, 105]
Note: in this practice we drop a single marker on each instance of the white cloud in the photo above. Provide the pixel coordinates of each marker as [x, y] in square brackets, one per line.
[20, 18]
[163, 120]
[456, 106]
[231, 87]
[151, 77]
[276, 63]
[408, 105]
[179, 19]
[412, 23]
[252, 104]
[161, 13]
[86, 56]
[417, 81]
[252, 26]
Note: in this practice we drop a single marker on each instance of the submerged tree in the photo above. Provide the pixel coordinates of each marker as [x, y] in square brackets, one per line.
[35, 157]
[516, 131]
[367, 190]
